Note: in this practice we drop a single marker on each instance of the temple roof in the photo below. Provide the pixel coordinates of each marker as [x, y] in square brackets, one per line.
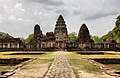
[60, 17]
[10, 40]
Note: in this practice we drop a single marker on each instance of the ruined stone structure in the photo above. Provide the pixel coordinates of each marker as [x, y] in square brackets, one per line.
[57, 39]
[35, 43]
[84, 35]
[84, 39]
[11, 44]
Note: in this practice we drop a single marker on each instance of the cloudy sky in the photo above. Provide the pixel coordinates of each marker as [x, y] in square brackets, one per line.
[18, 17]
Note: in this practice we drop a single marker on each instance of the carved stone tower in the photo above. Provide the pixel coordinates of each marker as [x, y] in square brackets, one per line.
[35, 43]
[37, 32]
[60, 32]
[84, 35]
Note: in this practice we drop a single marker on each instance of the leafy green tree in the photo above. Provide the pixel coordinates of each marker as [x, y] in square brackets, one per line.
[22, 39]
[109, 36]
[116, 30]
[97, 39]
[73, 36]
[5, 36]
[27, 40]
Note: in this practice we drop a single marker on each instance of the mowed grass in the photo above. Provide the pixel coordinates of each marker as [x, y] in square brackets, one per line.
[82, 62]
[114, 66]
[4, 68]
[7, 55]
[75, 55]
[79, 63]
[43, 58]
[37, 62]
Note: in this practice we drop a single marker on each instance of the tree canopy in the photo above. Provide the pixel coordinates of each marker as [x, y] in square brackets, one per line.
[5, 36]
[97, 39]
[73, 36]
[116, 29]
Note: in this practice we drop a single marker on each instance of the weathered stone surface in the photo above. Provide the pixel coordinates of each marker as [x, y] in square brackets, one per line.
[60, 68]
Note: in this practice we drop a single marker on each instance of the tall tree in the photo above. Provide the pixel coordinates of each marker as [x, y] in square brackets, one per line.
[116, 30]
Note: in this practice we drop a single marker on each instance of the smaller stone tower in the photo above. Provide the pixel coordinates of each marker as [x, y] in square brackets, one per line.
[37, 32]
[84, 35]
[35, 43]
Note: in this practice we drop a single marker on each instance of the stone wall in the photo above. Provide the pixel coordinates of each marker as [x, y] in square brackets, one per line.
[12, 61]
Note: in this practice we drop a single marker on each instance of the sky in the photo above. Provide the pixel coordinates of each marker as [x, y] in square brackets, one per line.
[18, 17]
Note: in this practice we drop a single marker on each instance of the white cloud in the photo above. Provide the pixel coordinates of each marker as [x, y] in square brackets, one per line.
[22, 15]
[12, 17]
[19, 6]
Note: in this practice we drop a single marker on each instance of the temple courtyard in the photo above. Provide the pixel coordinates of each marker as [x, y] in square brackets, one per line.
[60, 64]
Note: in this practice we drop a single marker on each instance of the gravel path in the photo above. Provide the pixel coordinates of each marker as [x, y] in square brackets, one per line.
[60, 67]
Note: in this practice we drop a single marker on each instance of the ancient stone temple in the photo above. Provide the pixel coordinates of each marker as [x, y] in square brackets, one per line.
[35, 43]
[61, 33]
[84, 40]
[11, 44]
[37, 32]
[84, 35]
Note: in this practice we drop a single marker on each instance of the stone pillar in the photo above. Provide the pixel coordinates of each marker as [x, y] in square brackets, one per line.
[3, 45]
[8, 45]
[18, 46]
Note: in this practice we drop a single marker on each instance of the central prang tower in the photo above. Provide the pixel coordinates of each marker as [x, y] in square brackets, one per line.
[61, 33]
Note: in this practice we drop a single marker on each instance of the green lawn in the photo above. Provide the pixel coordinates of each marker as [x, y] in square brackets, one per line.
[4, 68]
[41, 59]
[37, 62]
[83, 64]
[6, 55]
[79, 63]
[114, 66]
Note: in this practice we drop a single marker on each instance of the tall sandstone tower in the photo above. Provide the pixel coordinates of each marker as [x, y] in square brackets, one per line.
[61, 33]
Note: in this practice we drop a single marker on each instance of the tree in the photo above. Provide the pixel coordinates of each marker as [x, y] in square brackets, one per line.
[73, 36]
[27, 40]
[6, 36]
[97, 39]
[116, 30]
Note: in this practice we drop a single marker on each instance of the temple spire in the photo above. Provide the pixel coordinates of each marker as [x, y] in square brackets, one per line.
[60, 26]
[37, 31]
[84, 35]
[60, 17]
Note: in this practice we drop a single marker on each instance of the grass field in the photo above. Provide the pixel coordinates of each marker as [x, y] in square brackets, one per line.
[44, 58]
[4, 68]
[80, 63]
